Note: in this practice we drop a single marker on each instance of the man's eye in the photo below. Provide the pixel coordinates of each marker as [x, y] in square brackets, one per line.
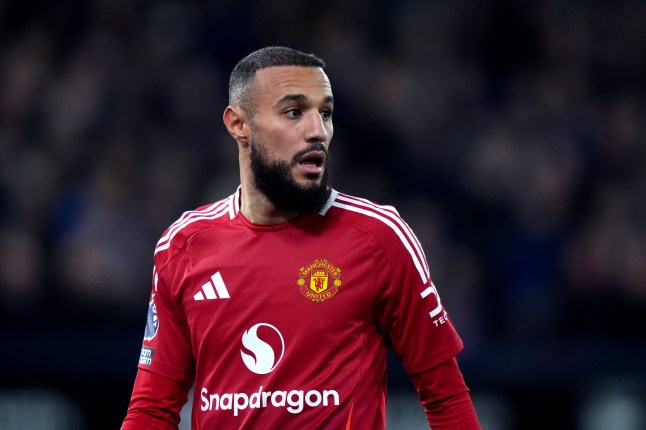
[293, 113]
[326, 114]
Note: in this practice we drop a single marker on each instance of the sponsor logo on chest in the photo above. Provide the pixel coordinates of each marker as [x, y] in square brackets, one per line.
[262, 350]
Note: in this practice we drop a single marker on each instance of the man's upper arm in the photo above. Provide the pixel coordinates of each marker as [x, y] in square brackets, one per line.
[409, 308]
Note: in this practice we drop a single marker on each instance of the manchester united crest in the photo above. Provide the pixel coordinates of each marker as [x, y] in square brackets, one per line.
[320, 280]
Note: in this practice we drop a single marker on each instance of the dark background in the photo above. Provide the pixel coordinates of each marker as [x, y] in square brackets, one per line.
[510, 135]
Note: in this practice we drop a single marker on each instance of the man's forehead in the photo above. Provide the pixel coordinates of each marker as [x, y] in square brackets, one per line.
[293, 79]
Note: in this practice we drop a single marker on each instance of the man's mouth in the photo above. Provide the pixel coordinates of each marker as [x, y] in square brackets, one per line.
[312, 159]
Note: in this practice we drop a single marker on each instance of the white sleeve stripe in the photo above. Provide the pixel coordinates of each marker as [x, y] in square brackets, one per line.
[189, 221]
[207, 210]
[186, 216]
[396, 229]
[395, 216]
[392, 214]
[369, 203]
[214, 211]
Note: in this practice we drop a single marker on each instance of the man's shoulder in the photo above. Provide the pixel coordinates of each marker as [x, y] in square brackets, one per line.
[397, 239]
[383, 222]
[374, 216]
[194, 221]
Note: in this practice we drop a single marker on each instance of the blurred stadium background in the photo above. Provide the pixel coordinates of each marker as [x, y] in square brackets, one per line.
[511, 136]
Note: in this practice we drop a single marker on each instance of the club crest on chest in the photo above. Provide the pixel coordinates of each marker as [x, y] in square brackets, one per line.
[319, 281]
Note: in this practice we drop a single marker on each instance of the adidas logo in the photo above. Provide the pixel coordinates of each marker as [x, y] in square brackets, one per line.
[209, 293]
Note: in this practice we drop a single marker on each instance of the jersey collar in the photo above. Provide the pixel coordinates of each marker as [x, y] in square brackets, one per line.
[234, 202]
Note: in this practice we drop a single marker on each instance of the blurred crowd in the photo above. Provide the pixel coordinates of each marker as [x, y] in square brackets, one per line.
[510, 135]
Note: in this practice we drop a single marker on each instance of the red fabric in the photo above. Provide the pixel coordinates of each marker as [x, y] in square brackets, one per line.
[229, 295]
[287, 325]
[155, 403]
[445, 398]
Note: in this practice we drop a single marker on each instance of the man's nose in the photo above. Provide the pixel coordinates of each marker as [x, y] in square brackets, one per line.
[318, 129]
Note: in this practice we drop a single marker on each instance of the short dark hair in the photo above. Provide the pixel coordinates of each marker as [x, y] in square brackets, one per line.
[272, 56]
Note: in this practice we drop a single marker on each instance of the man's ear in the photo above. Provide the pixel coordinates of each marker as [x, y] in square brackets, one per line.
[236, 121]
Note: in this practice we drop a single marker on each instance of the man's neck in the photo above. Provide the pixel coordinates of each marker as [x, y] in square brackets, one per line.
[259, 210]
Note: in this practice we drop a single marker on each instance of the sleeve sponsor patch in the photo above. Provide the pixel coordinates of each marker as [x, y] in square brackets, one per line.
[146, 356]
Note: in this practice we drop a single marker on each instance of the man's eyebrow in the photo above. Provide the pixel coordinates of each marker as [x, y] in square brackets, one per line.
[298, 98]
[301, 99]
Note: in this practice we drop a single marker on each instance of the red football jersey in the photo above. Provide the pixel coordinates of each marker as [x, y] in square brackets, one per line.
[287, 325]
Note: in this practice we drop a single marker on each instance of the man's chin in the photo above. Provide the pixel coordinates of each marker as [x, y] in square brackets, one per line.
[309, 183]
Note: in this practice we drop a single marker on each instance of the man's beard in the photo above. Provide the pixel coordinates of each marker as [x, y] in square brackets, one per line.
[274, 179]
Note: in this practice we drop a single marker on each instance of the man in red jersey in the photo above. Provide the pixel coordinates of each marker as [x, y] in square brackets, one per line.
[277, 303]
